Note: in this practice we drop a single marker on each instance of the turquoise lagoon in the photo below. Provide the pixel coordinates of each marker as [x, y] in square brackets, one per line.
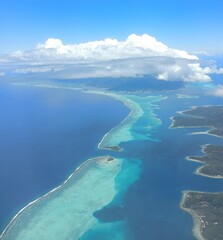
[44, 134]
[67, 212]
[135, 196]
[141, 112]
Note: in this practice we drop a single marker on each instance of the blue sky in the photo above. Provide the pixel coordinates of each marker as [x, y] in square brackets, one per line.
[192, 25]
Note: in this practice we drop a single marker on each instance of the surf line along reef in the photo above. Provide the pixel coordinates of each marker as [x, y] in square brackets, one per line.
[205, 208]
[67, 212]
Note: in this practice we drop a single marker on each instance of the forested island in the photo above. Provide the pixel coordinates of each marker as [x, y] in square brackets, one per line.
[207, 212]
[213, 160]
[206, 116]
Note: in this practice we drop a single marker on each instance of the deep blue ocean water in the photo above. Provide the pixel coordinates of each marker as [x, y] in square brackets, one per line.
[44, 135]
[151, 206]
[64, 128]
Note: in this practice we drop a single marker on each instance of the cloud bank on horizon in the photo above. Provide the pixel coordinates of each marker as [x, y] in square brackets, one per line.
[218, 91]
[136, 56]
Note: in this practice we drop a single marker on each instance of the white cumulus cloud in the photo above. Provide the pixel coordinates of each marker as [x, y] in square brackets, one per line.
[136, 56]
[108, 49]
[218, 92]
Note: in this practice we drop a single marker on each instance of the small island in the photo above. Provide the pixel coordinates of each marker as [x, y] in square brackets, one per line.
[110, 159]
[113, 148]
[207, 212]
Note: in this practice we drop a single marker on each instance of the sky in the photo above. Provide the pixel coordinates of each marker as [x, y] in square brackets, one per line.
[192, 25]
[73, 39]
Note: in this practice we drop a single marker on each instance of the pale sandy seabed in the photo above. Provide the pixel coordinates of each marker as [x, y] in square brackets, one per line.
[74, 199]
[51, 216]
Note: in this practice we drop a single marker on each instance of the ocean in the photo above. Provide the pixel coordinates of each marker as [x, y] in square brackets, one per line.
[45, 134]
[134, 196]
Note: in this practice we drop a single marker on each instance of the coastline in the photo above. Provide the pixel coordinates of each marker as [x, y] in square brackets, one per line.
[179, 127]
[100, 145]
[136, 111]
[196, 220]
[131, 105]
[201, 225]
[194, 133]
[122, 132]
[185, 112]
[131, 113]
[79, 168]
[207, 133]
[198, 170]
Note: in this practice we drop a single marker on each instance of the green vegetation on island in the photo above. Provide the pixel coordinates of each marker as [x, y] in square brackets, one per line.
[213, 159]
[206, 208]
[207, 212]
[216, 131]
[113, 148]
[205, 116]
[210, 116]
